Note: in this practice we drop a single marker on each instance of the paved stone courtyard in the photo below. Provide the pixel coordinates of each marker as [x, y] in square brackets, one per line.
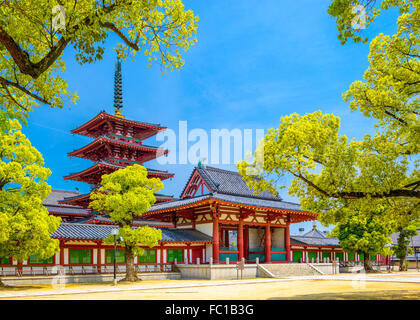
[343, 286]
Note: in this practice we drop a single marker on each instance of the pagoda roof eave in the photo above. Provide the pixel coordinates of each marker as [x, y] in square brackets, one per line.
[100, 165]
[103, 116]
[100, 140]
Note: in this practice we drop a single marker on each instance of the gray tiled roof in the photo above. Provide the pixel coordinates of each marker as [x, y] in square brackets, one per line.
[106, 219]
[57, 195]
[68, 210]
[414, 241]
[230, 182]
[97, 232]
[315, 241]
[229, 198]
[314, 238]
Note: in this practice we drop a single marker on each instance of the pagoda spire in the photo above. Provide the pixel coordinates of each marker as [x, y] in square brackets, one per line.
[118, 102]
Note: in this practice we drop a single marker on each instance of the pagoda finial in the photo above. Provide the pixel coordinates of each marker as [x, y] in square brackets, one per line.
[118, 103]
[314, 227]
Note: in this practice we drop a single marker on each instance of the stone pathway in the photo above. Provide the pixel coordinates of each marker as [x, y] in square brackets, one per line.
[208, 283]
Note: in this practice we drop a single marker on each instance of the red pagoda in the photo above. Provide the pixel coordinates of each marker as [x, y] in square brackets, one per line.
[118, 143]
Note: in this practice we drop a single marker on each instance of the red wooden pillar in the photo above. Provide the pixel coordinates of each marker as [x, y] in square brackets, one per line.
[287, 242]
[267, 243]
[246, 242]
[61, 253]
[99, 258]
[161, 258]
[241, 239]
[215, 238]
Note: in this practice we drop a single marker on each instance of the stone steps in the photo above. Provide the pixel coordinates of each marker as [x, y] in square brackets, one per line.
[291, 270]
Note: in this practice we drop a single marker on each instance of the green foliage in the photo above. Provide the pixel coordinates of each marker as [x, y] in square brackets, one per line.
[31, 46]
[342, 11]
[402, 249]
[335, 177]
[25, 224]
[145, 236]
[364, 233]
[124, 194]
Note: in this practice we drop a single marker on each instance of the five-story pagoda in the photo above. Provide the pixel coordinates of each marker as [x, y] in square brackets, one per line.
[118, 143]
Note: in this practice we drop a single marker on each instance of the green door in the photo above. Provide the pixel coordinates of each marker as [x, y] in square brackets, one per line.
[311, 255]
[297, 255]
[326, 255]
[339, 256]
[351, 257]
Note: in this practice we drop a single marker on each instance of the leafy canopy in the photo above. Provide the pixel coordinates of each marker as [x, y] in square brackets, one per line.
[335, 176]
[125, 194]
[32, 42]
[364, 233]
[349, 19]
[25, 224]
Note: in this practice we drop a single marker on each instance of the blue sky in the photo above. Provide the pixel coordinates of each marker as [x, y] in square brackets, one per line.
[253, 63]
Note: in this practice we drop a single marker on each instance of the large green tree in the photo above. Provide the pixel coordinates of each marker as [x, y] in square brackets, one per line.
[364, 233]
[335, 176]
[35, 33]
[25, 224]
[125, 194]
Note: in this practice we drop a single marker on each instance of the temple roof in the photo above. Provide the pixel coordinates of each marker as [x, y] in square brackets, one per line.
[104, 219]
[314, 238]
[102, 140]
[247, 202]
[88, 127]
[228, 182]
[414, 241]
[56, 195]
[103, 165]
[98, 232]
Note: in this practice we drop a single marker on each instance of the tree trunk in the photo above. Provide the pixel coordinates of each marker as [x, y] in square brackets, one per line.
[131, 274]
[366, 263]
[403, 263]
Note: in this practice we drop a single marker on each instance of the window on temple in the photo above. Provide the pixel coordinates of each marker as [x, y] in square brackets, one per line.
[5, 261]
[339, 256]
[149, 256]
[312, 255]
[297, 255]
[35, 259]
[326, 255]
[119, 256]
[175, 254]
[80, 256]
[373, 257]
[351, 257]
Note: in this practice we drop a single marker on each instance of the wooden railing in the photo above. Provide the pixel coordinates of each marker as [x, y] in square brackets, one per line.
[20, 271]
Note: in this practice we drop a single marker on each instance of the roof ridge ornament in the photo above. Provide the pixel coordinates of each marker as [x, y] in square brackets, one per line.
[118, 102]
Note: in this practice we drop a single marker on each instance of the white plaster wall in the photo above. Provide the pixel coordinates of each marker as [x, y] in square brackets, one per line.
[254, 238]
[158, 255]
[95, 256]
[277, 238]
[57, 258]
[206, 228]
[66, 256]
[102, 256]
[209, 251]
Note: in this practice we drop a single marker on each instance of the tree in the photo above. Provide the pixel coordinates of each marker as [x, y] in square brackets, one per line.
[402, 249]
[124, 195]
[334, 176]
[35, 33]
[366, 234]
[354, 15]
[25, 224]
